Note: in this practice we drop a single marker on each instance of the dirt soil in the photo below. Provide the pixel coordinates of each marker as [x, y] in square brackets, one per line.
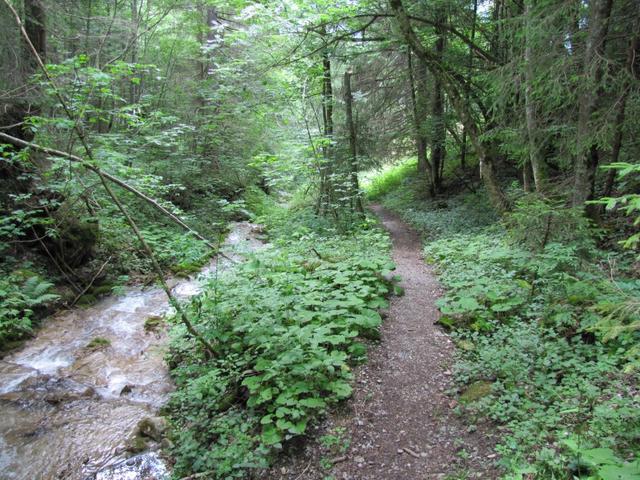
[400, 423]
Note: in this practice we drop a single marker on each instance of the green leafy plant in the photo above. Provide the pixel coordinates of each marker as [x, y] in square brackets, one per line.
[288, 326]
[21, 292]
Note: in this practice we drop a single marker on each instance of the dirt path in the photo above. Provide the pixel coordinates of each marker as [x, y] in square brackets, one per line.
[400, 423]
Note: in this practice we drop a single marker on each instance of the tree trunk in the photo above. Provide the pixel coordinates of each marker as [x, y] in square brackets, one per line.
[536, 160]
[439, 132]
[135, 23]
[356, 200]
[420, 139]
[586, 161]
[467, 90]
[526, 176]
[34, 24]
[326, 190]
[616, 145]
[487, 170]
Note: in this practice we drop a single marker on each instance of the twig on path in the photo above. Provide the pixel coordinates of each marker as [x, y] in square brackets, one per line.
[411, 452]
[303, 471]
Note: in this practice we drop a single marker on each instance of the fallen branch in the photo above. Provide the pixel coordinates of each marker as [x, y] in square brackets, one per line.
[91, 282]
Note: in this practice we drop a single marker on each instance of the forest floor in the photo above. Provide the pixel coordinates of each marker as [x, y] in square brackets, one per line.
[400, 423]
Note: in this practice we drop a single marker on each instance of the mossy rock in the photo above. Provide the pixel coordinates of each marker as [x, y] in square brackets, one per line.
[105, 289]
[153, 323]
[98, 343]
[466, 345]
[476, 391]
[76, 241]
[86, 300]
[185, 269]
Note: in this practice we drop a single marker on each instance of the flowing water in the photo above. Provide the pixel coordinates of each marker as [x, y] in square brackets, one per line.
[72, 412]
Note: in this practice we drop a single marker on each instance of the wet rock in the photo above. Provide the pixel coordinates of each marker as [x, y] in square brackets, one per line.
[62, 396]
[149, 429]
[152, 427]
[126, 389]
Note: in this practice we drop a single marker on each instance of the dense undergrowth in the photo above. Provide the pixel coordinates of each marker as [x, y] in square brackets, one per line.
[288, 325]
[546, 325]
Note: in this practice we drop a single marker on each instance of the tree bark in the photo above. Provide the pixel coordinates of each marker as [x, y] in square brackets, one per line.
[616, 145]
[467, 90]
[586, 160]
[536, 160]
[356, 199]
[325, 195]
[34, 24]
[420, 139]
[439, 132]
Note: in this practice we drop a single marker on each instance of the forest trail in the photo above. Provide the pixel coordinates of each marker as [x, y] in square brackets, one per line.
[400, 422]
[409, 429]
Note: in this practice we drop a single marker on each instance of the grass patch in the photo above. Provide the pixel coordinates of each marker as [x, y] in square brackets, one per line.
[389, 178]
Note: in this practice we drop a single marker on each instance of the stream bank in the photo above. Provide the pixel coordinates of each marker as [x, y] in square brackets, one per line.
[80, 400]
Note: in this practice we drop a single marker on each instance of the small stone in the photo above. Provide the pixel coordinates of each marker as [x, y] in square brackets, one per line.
[359, 459]
[423, 454]
[400, 451]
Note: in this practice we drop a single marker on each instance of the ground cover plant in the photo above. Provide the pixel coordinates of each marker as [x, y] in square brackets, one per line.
[545, 323]
[287, 326]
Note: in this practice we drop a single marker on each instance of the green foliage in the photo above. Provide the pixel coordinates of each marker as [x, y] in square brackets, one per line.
[21, 292]
[600, 463]
[389, 179]
[535, 222]
[97, 343]
[464, 213]
[628, 203]
[287, 326]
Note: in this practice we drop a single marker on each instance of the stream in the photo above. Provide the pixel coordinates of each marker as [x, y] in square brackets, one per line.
[72, 412]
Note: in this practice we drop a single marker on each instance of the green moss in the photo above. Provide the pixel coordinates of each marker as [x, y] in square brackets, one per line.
[105, 289]
[98, 343]
[186, 269]
[476, 391]
[86, 300]
[152, 323]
